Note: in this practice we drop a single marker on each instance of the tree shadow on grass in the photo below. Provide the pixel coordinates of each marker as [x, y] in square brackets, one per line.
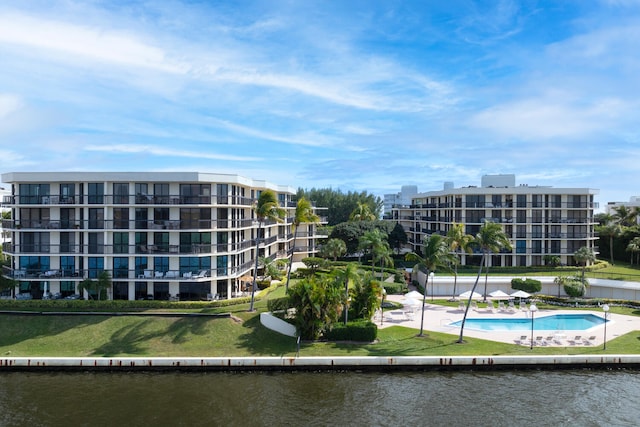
[262, 341]
[135, 338]
[19, 328]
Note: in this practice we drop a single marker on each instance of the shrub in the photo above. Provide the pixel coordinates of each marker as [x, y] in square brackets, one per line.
[527, 285]
[360, 331]
[575, 287]
[394, 288]
[278, 304]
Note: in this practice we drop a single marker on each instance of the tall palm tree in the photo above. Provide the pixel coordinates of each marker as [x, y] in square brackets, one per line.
[490, 238]
[348, 275]
[362, 212]
[435, 254]
[584, 256]
[372, 241]
[634, 248]
[625, 215]
[383, 256]
[610, 230]
[304, 215]
[458, 241]
[266, 209]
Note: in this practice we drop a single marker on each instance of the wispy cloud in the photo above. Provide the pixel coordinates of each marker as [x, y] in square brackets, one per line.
[167, 152]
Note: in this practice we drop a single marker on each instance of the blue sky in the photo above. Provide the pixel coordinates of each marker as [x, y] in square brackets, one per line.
[353, 95]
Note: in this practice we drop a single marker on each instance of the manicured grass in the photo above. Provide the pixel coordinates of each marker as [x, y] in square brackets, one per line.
[242, 335]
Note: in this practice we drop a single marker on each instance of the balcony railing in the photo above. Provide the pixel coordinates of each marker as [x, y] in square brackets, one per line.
[128, 199]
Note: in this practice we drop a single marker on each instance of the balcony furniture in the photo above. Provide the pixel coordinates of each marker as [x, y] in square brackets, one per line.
[172, 275]
[158, 275]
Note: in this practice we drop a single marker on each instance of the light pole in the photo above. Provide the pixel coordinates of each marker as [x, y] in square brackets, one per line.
[384, 293]
[605, 308]
[431, 276]
[532, 309]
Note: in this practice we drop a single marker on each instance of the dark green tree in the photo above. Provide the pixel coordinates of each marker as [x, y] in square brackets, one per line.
[266, 208]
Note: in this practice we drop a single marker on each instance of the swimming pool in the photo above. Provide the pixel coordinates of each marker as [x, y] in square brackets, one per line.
[554, 322]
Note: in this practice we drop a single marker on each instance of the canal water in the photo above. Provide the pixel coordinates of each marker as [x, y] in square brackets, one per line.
[502, 398]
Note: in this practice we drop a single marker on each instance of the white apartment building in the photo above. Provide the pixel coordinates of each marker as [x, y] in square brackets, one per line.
[538, 220]
[402, 198]
[634, 202]
[161, 235]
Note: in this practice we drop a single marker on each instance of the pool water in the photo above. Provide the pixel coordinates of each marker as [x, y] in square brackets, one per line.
[555, 322]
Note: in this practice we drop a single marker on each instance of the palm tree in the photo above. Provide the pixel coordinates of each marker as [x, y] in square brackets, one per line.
[458, 240]
[362, 212]
[436, 254]
[382, 255]
[634, 248]
[584, 256]
[304, 215]
[334, 248]
[348, 275]
[490, 238]
[372, 241]
[266, 209]
[560, 281]
[610, 230]
[625, 215]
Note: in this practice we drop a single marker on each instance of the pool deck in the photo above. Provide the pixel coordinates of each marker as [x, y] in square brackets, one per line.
[437, 318]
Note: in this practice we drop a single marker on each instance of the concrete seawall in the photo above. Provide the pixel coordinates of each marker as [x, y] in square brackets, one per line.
[380, 363]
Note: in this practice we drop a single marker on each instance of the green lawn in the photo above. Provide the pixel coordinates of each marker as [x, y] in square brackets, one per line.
[241, 335]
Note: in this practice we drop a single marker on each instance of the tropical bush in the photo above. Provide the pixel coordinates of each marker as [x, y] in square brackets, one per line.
[360, 331]
[576, 287]
[527, 285]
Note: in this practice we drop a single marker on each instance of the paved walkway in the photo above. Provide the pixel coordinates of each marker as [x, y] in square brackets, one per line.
[438, 318]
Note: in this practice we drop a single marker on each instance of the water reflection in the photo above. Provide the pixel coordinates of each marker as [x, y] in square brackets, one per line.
[562, 398]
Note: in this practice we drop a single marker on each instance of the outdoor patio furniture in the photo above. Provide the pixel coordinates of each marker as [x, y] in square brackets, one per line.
[589, 341]
[158, 275]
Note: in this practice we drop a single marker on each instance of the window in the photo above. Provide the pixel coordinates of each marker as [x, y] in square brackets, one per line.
[194, 264]
[96, 218]
[161, 193]
[34, 242]
[195, 218]
[161, 264]
[67, 288]
[142, 264]
[34, 264]
[68, 243]
[96, 193]
[34, 217]
[120, 193]
[195, 193]
[96, 243]
[32, 194]
[68, 266]
[195, 242]
[67, 218]
[120, 243]
[475, 201]
[222, 190]
[121, 218]
[120, 267]
[141, 290]
[96, 266]
[521, 201]
[142, 218]
[142, 193]
[161, 242]
[141, 243]
[67, 193]
[222, 265]
[521, 246]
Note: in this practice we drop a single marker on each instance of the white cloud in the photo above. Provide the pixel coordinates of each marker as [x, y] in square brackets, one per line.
[9, 104]
[106, 45]
[167, 152]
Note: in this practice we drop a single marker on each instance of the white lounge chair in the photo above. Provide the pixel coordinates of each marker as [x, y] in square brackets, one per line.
[158, 275]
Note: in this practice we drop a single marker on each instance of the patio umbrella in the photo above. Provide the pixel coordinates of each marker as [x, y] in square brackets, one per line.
[466, 295]
[520, 294]
[414, 295]
[499, 294]
[411, 302]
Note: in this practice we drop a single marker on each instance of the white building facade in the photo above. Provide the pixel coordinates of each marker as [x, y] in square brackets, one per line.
[634, 202]
[539, 221]
[403, 198]
[160, 235]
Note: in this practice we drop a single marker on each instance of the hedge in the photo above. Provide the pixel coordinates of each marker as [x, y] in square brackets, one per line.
[359, 331]
[527, 285]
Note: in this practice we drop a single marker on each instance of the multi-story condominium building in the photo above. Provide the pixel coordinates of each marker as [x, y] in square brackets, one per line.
[399, 199]
[538, 220]
[161, 235]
